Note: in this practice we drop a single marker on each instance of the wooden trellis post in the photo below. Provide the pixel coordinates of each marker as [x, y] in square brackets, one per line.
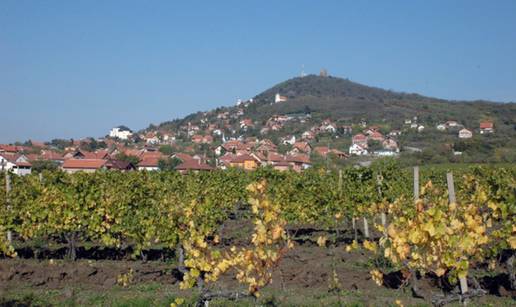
[451, 198]
[416, 183]
[7, 191]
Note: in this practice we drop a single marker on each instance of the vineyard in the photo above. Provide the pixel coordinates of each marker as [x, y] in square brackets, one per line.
[435, 235]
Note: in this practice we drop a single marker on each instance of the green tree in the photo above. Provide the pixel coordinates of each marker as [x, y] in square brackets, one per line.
[168, 164]
[131, 159]
[39, 166]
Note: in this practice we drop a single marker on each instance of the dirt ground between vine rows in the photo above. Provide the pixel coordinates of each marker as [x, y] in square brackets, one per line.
[303, 278]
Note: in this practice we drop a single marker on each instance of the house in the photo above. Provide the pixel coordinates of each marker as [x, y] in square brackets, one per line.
[391, 145]
[282, 166]
[413, 126]
[182, 156]
[301, 147]
[441, 127]
[168, 137]
[50, 155]
[83, 165]
[486, 127]
[371, 130]
[465, 134]
[451, 124]
[329, 128]
[274, 158]
[224, 161]
[121, 132]
[308, 135]
[420, 128]
[193, 165]
[202, 139]
[9, 148]
[119, 165]
[298, 162]
[358, 150]
[376, 136]
[245, 161]
[149, 163]
[82, 154]
[266, 148]
[395, 133]
[408, 121]
[231, 146]
[324, 151]
[222, 115]
[246, 123]
[288, 140]
[15, 163]
[359, 139]
[279, 98]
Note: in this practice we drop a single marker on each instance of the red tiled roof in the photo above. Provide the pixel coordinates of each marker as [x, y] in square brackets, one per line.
[133, 152]
[51, 155]
[194, 165]
[11, 157]
[8, 148]
[486, 125]
[298, 159]
[149, 162]
[84, 163]
[275, 157]
[243, 158]
[303, 146]
[183, 157]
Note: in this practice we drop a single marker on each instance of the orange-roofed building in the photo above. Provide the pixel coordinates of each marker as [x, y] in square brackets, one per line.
[246, 161]
[83, 165]
[486, 127]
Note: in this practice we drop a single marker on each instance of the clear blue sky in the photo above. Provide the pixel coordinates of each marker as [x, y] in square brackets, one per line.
[77, 68]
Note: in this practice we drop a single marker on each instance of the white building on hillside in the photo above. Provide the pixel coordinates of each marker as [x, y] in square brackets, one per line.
[18, 164]
[279, 98]
[465, 134]
[120, 132]
[358, 150]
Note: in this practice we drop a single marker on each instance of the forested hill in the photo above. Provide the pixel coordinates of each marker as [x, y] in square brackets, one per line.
[349, 102]
[339, 98]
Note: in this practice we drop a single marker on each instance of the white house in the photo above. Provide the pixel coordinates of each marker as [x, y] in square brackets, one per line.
[420, 128]
[289, 140]
[441, 127]
[18, 164]
[330, 128]
[452, 123]
[120, 132]
[357, 150]
[279, 98]
[465, 134]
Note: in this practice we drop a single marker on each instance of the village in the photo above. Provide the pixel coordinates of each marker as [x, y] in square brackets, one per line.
[222, 140]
